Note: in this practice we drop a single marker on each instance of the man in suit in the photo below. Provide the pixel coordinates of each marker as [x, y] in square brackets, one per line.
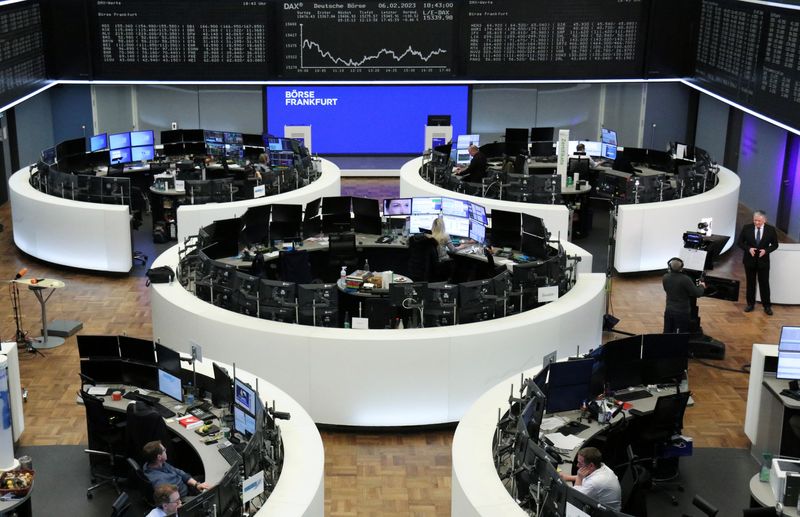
[758, 240]
[476, 170]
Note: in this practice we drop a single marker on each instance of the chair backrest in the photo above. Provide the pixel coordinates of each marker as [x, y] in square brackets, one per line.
[121, 506]
[342, 246]
[295, 266]
[422, 258]
[144, 424]
[633, 483]
[142, 483]
[97, 418]
[668, 414]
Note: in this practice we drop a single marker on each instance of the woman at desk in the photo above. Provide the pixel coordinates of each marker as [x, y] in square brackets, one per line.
[444, 246]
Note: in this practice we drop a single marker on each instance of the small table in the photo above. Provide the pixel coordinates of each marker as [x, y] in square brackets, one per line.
[38, 287]
[761, 493]
[396, 279]
[21, 506]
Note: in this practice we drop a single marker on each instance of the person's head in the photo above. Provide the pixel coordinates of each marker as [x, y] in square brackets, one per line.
[398, 206]
[759, 218]
[154, 452]
[675, 265]
[438, 230]
[263, 159]
[472, 150]
[167, 498]
[590, 457]
[580, 148]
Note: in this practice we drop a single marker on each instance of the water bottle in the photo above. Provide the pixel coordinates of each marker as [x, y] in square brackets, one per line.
[366, 266]
[347, 320]
[343, 273]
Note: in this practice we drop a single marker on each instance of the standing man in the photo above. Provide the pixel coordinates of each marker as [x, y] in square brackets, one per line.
[758, 240]
[476, 170]
[595, 479]
[680, 290]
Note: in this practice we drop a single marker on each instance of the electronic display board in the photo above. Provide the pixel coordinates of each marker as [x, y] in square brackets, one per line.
[22, 61]
[412, 39]
[542, 38]
[174, 39]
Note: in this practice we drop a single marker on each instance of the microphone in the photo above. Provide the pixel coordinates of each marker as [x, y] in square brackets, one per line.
[21, 273]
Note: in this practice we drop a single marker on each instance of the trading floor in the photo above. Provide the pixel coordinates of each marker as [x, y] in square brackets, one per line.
[383, 474]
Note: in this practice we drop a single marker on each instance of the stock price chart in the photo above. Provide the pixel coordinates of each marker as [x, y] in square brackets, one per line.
[540, 38]
[173, 39]
[368, 39]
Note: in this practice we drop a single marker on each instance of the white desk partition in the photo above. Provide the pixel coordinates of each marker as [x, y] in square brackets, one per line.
[785, 282]
[300, 490]
[193, 217]
[70, 233]
[379, 378]
[649, 234]
[556, 217]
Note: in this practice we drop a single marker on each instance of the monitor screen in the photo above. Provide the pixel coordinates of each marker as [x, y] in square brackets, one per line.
[456, 207]
[477, 232]
[168, 360]
[243, 423]
[365, 207]
[103, 371]
[244, 396]
[98, 346]
[426, 205]
[456, 226]
[213, 137]
[136, 349]
[397, 206]
[49, 155]
[608, 136]
[621, 361]
[336, 205]
[141, 375]
[506, 229]
[312, 209]
[421, 222]
[542, 134]
[98, 142]
[569, 385]
[478, 213]
[222, 392]
[119, 140]
[665, 358]
[122, 155]
[286, 213]
[789, 353]
[143, 153]
[142, 138]
[232, 138]
[464, 141]
[609, 151]
[170, 385]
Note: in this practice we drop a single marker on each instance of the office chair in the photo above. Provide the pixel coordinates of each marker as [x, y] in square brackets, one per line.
[121, 506]
[423, 258]
[341, 252]
[144, 425]
[140, 481]
[294, 266]
[665, 422]
[704, 506]
[633, 483]
[103, 430]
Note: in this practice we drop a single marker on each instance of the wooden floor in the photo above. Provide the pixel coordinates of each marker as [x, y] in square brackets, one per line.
[369, 474]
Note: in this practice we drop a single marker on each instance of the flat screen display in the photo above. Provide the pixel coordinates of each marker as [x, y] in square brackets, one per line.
[426, 205]
[371, 119]
[170, 385]
[143, 153]
[142, 137]
[243, 423]
[136, 349]
[456, 226]
[98, 142]
[424, 221]
[456, 207]
[399, 206]
[244, 396]
[789, 353]
[477, 232]
[478, 213]
[119, 140]
[168, 359]
[122, 155]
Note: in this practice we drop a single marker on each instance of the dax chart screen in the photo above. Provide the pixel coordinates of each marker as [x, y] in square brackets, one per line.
[368, 39]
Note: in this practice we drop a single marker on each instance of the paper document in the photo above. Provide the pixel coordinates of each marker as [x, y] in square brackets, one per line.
[98, 390]
[552, 423]
[564, 443]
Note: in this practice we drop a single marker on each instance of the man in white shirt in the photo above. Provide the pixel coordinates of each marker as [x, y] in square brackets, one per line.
[595, 479]
[167, 499]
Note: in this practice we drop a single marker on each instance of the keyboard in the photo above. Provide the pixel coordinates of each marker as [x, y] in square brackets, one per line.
[162, 410]
[792, 394]
[632, 395]
[230, 454]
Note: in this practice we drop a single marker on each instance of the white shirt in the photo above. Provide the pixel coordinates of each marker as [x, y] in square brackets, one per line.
[602, 485]
[157, 512]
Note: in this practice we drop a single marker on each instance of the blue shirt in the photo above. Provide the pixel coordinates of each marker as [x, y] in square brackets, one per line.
[168, 474]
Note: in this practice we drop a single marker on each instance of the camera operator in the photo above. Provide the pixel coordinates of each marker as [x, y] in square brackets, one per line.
[680, 288]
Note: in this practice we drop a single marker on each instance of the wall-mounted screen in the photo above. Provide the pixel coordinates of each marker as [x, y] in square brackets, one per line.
[365, 119]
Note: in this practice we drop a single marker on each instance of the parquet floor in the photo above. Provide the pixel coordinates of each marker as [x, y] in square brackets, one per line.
[386, 474]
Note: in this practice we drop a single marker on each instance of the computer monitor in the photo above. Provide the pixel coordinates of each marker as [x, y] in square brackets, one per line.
[200, 505]
[568, 385]
[119, 140]
[277, 293]
[244, 396]
[144, 137]
[397, 206]
[426, 205]
[621, 362]
[542, 134]
[533, 246]
[478, 213]
[365, 206]
[665, 358]
[542, 149]
[336, 205]
[243, 423]
[222, 390]
[143, 153]
[168, 360]
[477, 232]
[440, 304]
[98, 142]
[455, 207]
[119, 156]
[102, 370]
[474, 301]
[170, 385]
[49, 155]
[141, 375]
[608, 137]
[516, 141]
[456, 226]
[321, 295]
[419, 222]
[90, 346]
[407, 295]
[136, 349]
[366, 215]
[226, 235]
[287, 214]
[439, 120]
[506, 229]
[533, 412]
[789, 353]
[229, 493]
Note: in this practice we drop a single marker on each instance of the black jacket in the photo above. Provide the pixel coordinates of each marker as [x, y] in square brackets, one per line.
[747, 240]
[476, 170]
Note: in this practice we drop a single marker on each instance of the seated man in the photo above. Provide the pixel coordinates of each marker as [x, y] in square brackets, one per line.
[476, 170]
[159, 472]
[595, 479]
[167, 500]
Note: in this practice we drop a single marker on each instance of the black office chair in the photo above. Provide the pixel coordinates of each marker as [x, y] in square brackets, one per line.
[634, 482]
[665, 422]
[341, 252]
[423, 258]
[104, 431]
[295, 266]
[121, 506]
[704, 506]
[144, 425]
[141, 482]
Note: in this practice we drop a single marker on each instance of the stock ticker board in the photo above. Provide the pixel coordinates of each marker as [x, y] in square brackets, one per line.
[174, 39]
[22, 62]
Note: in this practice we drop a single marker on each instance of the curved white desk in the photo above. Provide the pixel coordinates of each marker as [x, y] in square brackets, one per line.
[649, 234]
[193, 217]
[784, 282]
[381, 377]
[556, 217]
[70, 233]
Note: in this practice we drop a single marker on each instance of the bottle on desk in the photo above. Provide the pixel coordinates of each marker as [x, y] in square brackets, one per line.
[343, 273]
[346, 320]
[366, 266]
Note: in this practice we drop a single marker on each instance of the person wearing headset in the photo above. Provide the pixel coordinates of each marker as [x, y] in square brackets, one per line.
[680, 290]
